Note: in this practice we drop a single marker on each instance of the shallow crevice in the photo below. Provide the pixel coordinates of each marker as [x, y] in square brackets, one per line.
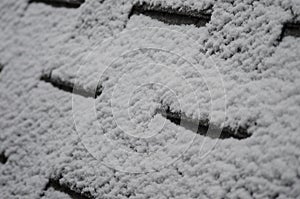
[179, 172]
[54, 183]
[60, 3]
[202, 126]
[69, 86]
[182, 16]
[3, 158]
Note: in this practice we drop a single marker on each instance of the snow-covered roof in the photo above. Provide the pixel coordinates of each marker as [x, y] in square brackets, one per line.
[227, 64]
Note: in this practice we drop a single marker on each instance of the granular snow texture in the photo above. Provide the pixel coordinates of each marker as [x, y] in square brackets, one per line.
[234, 71]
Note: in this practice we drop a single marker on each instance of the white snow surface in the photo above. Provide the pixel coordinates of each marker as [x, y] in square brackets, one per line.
[232, 71]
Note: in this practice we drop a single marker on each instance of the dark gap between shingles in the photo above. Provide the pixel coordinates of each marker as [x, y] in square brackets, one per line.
[60, 3]
[290, 29]
[69, 86]
[202, 126]
[54, 183]
[3, 158]
[182, 16]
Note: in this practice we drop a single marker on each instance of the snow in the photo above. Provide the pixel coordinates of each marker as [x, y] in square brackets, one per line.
[235, 66]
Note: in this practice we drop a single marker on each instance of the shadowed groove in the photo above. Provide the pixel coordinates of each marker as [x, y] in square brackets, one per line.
[60, 3]
[54, 183]
[3, 158]
[182, 16]
[69, 86]
[179, 118]
[1, 67]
